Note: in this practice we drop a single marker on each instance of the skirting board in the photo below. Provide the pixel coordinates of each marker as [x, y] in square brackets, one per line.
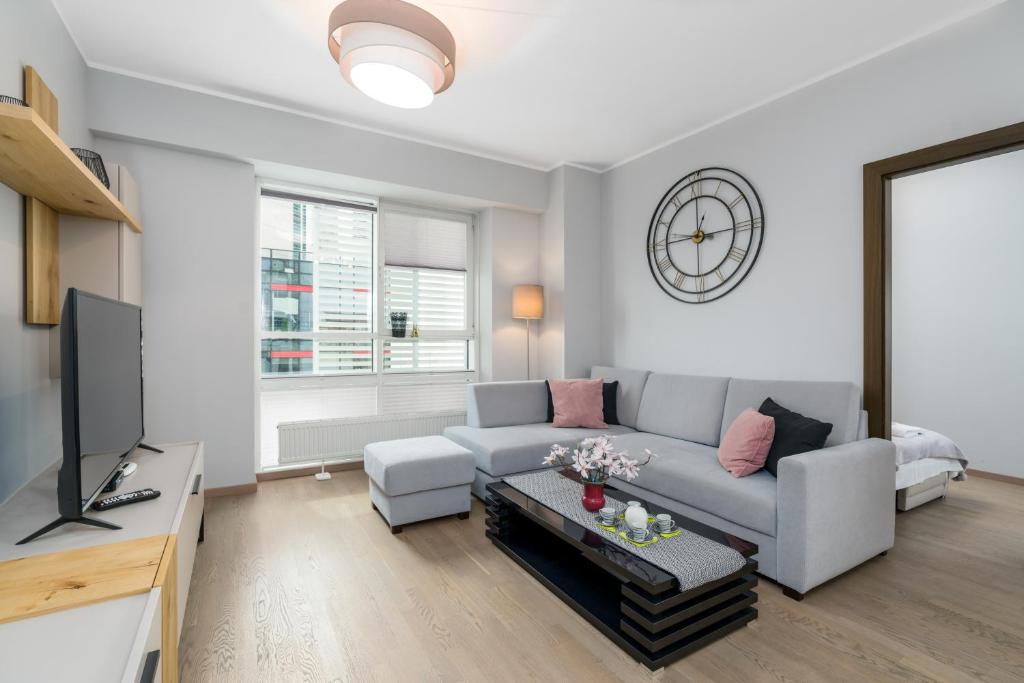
[238, 490]
[971, 472]
[290, 472]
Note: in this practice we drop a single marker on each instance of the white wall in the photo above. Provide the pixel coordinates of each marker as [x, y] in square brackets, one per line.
[957, 319]
[508, 255]
[582, 272]
[120, 106]
[799, 312]
[570, 265]
[31, 33]
[552, 276]
[199, 302]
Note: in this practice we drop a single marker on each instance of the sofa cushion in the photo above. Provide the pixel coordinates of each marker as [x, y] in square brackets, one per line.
[683, 406]
[794, 434]
[835, 402]
[746, 444]
[498, 404]
[422, 463]
[520, 448]
[631, 388]
[610, 392]
[690, 473]
[578, 403]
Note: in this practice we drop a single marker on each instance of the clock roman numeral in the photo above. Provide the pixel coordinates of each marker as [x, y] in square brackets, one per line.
[660, 244]
[733, 203]
[664, 263]
[748, 224]
[675, 202]
[719, 187]
[680, 279]
[737, 254]
[718, 272]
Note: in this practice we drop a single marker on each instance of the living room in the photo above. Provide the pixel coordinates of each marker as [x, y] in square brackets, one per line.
[376, 278]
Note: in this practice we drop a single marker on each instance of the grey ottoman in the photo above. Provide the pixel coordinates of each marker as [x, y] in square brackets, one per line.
[416, 479]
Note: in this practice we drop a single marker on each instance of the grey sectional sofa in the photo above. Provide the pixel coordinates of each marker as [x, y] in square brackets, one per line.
[827, 512]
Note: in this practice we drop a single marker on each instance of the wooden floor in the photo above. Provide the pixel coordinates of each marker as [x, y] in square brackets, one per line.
[302, 582]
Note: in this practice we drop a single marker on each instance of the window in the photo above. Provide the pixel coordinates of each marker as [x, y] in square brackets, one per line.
[333, 271]
[317, 279]
[426, 278]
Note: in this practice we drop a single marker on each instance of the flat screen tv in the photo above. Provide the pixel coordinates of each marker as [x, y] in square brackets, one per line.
[101, 399]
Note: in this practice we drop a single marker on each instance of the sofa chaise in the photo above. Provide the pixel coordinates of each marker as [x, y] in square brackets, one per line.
[827, 512]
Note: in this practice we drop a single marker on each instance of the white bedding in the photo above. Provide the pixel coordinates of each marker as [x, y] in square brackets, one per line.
[923, 454]
[916, 471]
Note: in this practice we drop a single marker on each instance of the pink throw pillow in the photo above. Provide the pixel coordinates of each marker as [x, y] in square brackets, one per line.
[746, 443]
[578, 402]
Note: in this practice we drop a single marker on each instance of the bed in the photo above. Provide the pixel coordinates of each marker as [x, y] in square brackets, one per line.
[926, 462]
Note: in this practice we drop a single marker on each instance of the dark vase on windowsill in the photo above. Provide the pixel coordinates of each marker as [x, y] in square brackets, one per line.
[398, 323]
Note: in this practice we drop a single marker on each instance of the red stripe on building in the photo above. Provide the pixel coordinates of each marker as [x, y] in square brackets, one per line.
[364, 290]
[280, 287]
[291, 354]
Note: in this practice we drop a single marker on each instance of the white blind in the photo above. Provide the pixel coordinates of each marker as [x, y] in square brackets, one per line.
[344, 253]
[423, 398]
[423, 241]
[434, 299]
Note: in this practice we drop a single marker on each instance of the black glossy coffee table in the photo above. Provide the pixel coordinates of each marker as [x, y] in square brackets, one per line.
[634, 603]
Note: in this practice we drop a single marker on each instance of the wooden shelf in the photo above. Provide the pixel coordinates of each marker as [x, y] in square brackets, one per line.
[35, 162]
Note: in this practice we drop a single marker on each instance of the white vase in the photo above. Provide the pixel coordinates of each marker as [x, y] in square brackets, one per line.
[636, 517]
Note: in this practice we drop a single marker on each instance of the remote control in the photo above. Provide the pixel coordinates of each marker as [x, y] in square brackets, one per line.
[125, 499]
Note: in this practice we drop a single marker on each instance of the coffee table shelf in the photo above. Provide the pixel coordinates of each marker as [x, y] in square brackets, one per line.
[633, 603]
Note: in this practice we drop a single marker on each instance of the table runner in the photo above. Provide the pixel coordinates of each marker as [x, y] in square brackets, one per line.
[691, 558]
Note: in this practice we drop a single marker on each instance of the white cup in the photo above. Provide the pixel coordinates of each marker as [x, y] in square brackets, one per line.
[664, 522]
[607, 514]
[639, 534]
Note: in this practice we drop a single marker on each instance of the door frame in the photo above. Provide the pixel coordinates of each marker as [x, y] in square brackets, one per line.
[878, 176]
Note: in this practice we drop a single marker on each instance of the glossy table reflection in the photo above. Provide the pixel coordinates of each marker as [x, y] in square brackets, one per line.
[635, 603]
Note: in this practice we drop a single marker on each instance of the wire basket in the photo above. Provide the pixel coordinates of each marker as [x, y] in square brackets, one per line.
[7, 99]
[94, 162]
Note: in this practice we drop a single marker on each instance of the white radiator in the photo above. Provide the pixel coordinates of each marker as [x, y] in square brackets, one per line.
[345, 437]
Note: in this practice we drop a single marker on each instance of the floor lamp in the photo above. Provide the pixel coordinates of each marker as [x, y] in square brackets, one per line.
[528, 304]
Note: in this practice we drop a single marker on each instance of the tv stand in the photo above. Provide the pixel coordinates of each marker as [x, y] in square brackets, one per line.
[114, 600]
[147, 447]
[67, 520]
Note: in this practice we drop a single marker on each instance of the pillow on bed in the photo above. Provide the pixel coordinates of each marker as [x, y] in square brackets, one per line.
[794, 434]
[745, 445]
[578, 403]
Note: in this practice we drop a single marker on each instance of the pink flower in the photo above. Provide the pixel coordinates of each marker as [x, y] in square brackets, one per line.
[580, 462]
[630, 469]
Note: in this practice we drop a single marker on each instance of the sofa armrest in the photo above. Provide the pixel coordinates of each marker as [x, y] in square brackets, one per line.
[836, 509]
[501, 404]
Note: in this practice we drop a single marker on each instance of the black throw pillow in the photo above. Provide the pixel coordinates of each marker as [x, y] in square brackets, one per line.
[610, 392]
[794, 434]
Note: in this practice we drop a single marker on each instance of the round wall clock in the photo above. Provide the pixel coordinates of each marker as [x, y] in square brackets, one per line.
[705, 235]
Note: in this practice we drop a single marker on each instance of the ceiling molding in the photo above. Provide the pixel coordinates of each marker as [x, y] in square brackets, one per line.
[927, 31]
[536, 166]
[213, 92]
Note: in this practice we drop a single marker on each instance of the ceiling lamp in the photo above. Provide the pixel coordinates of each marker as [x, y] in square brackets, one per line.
[392, 51]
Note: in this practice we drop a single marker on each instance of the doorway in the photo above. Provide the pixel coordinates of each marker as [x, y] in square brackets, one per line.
[952, 174]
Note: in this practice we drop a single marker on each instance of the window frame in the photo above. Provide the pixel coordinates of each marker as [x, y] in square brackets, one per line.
[379, 333]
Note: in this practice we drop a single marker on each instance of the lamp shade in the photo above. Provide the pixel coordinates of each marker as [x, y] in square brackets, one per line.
[528, 302]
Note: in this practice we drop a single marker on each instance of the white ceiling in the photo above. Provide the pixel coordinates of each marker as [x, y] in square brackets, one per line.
[538, 82]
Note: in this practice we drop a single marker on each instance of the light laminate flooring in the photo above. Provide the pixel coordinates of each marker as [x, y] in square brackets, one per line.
[302, 581]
